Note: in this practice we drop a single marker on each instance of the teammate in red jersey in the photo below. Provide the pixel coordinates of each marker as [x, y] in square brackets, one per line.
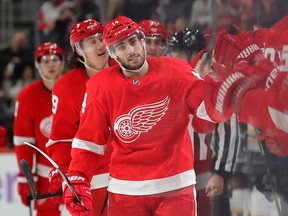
[254, 90]
[32, 123]
[143, 105]
[89, 56]
[156, 38]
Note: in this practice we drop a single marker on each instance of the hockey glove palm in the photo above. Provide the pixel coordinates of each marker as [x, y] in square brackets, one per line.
[82, 188]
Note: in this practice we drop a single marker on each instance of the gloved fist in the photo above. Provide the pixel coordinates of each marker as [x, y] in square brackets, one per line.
[217, 92]
[24, 189]
[82, 188]
[55, 180]
[238, 45]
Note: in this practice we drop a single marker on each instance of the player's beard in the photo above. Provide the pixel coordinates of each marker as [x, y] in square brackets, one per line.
[136, 67]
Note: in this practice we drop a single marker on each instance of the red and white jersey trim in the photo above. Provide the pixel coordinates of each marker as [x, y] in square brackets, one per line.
[19, 140]
[202, 112]
[99, 181]
[43, 170]
[153, 186]
[52, 142]
[89, 146]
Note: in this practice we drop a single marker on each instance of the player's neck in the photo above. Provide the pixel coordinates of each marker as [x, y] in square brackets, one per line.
[140, 73]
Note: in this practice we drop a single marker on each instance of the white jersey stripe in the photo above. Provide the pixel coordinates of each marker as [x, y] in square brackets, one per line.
[52, 142]
[202, 112]
[154, 186]
[43, 170]
[280, 119]
[99, 181]
[89, 146]
[19, 140]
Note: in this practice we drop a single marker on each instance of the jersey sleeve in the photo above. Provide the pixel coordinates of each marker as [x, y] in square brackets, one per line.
[23, 130]
[194, 99]
[92, 137]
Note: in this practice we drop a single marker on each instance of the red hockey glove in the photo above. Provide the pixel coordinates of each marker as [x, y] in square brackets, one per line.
[82, 188]
[24, 189]
[56, 180]
[230, 47]
[3, 137]
[217, 90]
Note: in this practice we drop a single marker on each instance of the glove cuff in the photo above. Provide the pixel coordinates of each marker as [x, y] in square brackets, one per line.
[76, 179]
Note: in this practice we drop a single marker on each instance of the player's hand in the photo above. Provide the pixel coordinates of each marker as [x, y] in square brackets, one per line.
[3, 137]
[55, 180]
[238, 45]
[82, 188]
[215, 186]
[24, 189]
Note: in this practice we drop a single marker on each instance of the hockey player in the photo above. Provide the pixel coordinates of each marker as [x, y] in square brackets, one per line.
[260, 84]
[190, 45]
[145, 105]
[32, 123]
[89, 56]
[155, 37]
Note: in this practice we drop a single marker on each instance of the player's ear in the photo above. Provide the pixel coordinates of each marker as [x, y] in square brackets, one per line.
[78, 49]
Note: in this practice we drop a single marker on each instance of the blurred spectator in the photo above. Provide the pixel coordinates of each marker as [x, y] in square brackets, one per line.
[15, 57]
[247, 14]
[47, 15]
[180, 24]
[114, 8]
[201, 15]
[63, 24]
[87, 9]
[132, 9]
[270, 12]
[174, 8]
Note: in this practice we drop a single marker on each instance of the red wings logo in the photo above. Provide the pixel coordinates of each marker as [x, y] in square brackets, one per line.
[128, 127]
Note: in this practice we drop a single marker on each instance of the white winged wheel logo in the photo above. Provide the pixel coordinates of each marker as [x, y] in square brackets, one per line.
[128, 127]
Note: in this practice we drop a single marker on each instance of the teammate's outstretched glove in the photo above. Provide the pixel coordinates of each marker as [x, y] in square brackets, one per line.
[24, 189]
[82, 188]
[56, 180]
[236, 45]
[217, 92]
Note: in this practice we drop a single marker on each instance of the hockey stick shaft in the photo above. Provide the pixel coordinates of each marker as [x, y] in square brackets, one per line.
[29, 177]
[69, 185]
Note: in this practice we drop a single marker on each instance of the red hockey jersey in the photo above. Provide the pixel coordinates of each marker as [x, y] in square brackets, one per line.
[32, 123]
[68, 94]
[267, 109]
[147, 120]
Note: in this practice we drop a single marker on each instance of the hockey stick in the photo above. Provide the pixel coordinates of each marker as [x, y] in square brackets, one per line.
[30, 204]
[29, 177]
[77, 198]
[268, 173]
